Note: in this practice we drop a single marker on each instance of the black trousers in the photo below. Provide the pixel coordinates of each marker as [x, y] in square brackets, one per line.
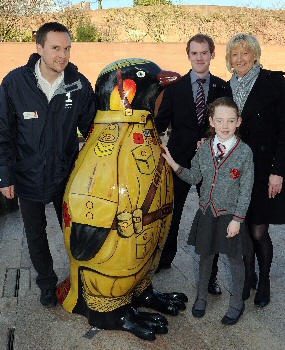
[181, 189]
[34, 217]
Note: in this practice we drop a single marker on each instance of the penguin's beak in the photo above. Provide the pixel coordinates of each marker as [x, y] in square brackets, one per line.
[167, 78]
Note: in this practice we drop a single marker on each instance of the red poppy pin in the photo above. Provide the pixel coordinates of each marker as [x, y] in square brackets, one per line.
[235, 173]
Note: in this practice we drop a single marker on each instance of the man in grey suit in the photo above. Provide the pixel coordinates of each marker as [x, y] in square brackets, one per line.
[183, 106]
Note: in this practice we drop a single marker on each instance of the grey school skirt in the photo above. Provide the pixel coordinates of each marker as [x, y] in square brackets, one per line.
[208, 235]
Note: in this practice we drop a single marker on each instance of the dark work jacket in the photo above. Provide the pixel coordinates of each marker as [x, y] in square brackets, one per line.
[263, 129]
[178, 108]
[38, 139]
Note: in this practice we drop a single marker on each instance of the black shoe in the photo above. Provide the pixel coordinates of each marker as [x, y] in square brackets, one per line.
[230, 321]
[262, 296]
[198, 313]
[160, 267]
[213, 287]
[48, 298]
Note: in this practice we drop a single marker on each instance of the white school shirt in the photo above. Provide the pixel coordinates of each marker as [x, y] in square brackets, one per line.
[228, 143]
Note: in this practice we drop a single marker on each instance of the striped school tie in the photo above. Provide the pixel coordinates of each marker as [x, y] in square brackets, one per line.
[200, 101]
[220, 150]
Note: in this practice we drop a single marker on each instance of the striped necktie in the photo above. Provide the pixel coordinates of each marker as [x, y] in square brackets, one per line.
[220, 150]
[200, 101]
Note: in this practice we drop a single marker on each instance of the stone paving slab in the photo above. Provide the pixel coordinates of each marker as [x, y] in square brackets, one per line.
[39, 329]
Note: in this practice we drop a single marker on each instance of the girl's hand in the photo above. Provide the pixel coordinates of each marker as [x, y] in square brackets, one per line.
[275, 185]
[233, 228]
[169, 159]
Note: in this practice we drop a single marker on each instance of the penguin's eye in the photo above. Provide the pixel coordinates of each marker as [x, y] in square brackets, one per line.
[140, 74]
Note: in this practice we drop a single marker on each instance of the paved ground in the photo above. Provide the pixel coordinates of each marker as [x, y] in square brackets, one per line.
[24, 324]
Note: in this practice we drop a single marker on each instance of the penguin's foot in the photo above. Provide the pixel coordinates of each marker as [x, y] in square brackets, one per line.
[161, 302]
[131, 322]
[154, 317]
[153, 321]
[175, 296]
[144, 325]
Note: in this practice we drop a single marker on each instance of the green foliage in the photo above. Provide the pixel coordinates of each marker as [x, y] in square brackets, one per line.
[87, 32]
[159, 23]
[152, 2]
[27, 38]
[14, 34]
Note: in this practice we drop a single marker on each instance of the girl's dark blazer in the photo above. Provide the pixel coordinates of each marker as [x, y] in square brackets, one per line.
[263, 129]
[178, 108]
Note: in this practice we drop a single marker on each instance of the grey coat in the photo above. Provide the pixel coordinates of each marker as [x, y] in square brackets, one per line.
[226, 185]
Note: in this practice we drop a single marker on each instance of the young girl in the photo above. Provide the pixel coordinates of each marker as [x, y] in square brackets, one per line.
[224, 164]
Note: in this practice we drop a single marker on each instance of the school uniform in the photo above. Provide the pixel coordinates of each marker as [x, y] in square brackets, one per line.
[225, 194]
[209, 227]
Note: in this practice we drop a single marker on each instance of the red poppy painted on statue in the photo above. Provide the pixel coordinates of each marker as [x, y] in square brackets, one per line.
[66, 216]
[138, 138]
[63, 290]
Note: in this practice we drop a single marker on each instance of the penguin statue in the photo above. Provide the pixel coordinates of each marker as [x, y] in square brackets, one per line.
[118, 207]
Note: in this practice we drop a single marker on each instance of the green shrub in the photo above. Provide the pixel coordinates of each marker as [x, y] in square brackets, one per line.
[87, 32]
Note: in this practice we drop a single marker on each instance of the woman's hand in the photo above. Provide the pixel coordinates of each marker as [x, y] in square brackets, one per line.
[8, 192]
[275, 185]
[169, 159]
[200, 143]
[233, 228]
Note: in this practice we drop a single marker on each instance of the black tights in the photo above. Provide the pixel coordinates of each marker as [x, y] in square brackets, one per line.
[263, 248]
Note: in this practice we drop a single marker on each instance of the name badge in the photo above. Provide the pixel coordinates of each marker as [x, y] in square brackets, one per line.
[30, 115]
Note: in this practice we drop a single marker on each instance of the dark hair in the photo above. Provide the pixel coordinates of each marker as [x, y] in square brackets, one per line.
[201, 38]
[41, 33]
[221, 101]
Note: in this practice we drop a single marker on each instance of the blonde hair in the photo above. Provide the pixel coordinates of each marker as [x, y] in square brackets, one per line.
[243, 40]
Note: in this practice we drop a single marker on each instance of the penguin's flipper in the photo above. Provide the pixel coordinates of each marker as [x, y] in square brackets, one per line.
[86, 240]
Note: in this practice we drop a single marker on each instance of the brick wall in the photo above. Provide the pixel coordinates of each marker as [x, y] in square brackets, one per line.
[91, 58]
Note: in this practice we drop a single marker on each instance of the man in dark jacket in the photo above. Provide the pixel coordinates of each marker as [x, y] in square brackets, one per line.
[183, 106]
[41, 106]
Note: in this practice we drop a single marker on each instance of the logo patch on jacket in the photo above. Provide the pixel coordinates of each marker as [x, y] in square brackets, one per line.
[30, 115]
[68, 101]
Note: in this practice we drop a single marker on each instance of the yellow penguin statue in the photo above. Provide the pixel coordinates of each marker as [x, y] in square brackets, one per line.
[118, 206]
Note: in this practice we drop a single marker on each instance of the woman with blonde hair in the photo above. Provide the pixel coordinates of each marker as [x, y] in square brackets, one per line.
[260, 96]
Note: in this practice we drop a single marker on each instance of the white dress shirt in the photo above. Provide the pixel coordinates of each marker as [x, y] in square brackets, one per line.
[229, 144]
[48, 88]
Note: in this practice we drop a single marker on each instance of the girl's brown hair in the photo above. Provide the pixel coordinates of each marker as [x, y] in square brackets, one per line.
[221, 101]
